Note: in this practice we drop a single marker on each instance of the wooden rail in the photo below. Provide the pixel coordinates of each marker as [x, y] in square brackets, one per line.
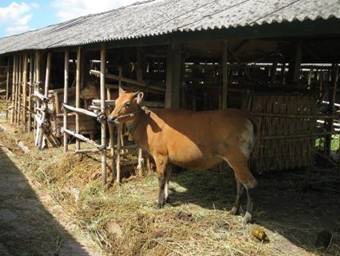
[82, 138]
[80, 110]
[129, 81]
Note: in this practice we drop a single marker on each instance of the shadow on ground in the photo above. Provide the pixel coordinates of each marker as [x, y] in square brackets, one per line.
[295, 204]
[26, 227]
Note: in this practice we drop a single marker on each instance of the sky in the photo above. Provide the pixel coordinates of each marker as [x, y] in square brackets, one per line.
[21, 15]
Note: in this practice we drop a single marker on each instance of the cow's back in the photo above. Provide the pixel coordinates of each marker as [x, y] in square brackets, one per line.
[195, 139]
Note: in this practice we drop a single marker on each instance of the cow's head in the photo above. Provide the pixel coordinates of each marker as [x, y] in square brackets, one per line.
[126, 106]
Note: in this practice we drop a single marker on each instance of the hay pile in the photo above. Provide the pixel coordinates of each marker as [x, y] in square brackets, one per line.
[123, 220]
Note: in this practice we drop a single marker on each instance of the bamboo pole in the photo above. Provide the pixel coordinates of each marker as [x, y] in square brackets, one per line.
[80, 110]
[47, 76]
[13, 89]
[66, 69]
[19, 91]
[102, 110]
[24, 90]
[331, 108]
[30, 92]
[82, 138]
[78, 77]
[7, 83]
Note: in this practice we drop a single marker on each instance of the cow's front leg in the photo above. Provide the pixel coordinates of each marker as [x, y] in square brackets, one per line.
[161, 164]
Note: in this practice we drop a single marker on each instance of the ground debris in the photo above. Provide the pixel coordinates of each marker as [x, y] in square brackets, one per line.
[260, 234]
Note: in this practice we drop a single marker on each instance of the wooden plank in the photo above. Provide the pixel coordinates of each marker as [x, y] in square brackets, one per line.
[66, 77]
[78, 77]
[102, 110]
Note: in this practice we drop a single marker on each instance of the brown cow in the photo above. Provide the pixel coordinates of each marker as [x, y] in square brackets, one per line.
[193, 140]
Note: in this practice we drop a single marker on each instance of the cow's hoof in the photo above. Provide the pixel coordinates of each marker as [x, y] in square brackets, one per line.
[234, 211]
[159, 205]
[247, 218]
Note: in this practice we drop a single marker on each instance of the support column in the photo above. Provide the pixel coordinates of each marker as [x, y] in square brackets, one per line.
[30, 93]
[24, 91]
[66, 69]
[294, 65]
[173, 76]
[102, 110]
[224, 75]
[19, 90]
[7, 81]
[13, 88]
[47, 75]
[331, 108]
[78, 78]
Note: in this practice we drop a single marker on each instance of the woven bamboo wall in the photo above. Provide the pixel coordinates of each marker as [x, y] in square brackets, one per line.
[284, 130]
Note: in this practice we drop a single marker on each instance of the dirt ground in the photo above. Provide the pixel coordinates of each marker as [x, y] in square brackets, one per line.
[291, 207]
[30, 221]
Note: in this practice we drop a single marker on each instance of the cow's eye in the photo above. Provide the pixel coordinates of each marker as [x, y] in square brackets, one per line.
[127, 104]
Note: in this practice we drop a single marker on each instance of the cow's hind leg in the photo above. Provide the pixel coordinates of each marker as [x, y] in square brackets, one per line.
[239, 192]
[239, 163]
[167, 180]
[161, 165]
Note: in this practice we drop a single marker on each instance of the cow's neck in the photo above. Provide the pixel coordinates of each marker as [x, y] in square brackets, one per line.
[137, 128]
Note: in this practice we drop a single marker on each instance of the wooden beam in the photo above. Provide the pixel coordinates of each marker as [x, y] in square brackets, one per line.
[78, 78]
[173, 76]
[224, 75]
[66, 77]
[102, 110]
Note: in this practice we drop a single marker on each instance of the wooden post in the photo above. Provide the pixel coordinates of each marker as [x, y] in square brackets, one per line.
[24, 91]
[66, 68]
[36, 85]
[78, 78]
[102, 110]
[119, 136]
[47, 75]
[7, 82]
[13, 87]
[30, 92]
[19, 90]
[294, 65]
[173, 76]
[224, 75]
[331, 108]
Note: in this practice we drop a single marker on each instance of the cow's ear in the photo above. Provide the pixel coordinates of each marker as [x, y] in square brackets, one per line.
[139, 97]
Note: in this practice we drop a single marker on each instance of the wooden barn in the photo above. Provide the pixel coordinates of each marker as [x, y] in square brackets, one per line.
[278, 59]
